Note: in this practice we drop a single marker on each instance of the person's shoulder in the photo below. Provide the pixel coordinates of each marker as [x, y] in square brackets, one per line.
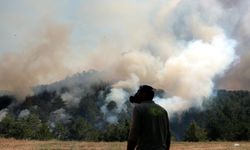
[160, 107]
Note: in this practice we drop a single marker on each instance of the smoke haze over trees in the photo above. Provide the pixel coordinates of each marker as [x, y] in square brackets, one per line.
[47, 114]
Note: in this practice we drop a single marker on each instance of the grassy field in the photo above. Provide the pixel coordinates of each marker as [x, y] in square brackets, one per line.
[12, 144]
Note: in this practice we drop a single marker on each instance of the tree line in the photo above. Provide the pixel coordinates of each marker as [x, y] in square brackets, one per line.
[50, 118]
[225, 116]
[31, 127]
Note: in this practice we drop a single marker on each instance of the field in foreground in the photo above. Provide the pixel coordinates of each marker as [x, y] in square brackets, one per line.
[12, 144]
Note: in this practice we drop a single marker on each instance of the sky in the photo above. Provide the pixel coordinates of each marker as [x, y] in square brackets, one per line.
[165, 43]
[21, 19]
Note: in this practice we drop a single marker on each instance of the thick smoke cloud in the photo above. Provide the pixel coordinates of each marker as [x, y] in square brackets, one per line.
[43, 61]
[238, 76]
[185, 47]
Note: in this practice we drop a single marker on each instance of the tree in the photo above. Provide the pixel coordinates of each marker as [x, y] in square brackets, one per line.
[195, 133]
[227, 116]
[8, 126]
[117, 132]
[22, 128]
[61, 132]
[82, 130]
[28, 127]
[44, 133]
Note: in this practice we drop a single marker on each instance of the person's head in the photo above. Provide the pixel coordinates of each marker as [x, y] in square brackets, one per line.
[145, 93]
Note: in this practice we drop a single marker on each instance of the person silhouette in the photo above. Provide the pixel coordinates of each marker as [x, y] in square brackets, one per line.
[150, 124]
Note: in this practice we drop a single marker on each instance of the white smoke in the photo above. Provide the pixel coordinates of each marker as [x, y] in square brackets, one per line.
[3, 113]
[185, 47]
[120, 97]
[190, 74]
[173, 104]
[187, 76]
[60, 115]
[70, 100]
[24, 113]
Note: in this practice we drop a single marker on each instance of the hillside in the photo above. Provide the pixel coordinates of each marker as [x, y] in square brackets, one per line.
[75, 109]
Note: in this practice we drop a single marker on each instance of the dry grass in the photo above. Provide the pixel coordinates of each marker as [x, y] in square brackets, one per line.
[210, 146]
[12, 144]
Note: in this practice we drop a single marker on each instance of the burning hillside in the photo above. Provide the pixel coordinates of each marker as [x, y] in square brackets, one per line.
[94, 110]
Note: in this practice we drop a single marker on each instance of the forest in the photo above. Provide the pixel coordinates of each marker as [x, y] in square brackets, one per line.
[225, 116]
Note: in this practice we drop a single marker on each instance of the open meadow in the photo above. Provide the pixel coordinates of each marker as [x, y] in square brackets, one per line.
[12, 144]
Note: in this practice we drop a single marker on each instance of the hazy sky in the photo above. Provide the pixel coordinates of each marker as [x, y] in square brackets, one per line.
[21, 19]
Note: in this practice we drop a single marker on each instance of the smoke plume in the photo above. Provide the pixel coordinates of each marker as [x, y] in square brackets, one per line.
[185, 47]
[3, 113]
[183, 50]
[24, 113]
[43, 61]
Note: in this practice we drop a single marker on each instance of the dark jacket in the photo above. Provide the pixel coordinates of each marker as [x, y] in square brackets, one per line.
[150, 127]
